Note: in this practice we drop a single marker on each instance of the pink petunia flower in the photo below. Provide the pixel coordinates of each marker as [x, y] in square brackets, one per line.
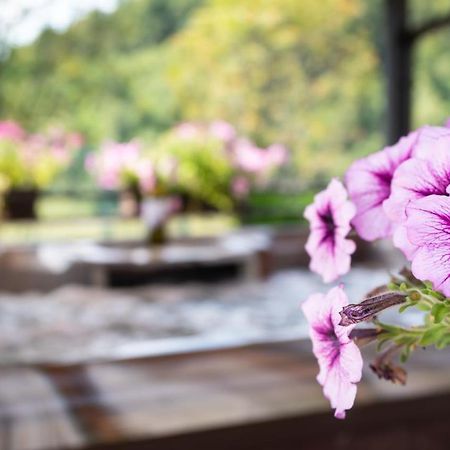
[339, 358]
[114, 159]
[329, 218]
[427, 173]
[368, 181]
[428, 229]
[248, 157]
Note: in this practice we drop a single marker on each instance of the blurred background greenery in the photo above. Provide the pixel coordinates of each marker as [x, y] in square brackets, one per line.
[307, 74]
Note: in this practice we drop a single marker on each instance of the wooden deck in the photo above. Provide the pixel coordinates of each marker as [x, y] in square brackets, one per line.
[261, 397]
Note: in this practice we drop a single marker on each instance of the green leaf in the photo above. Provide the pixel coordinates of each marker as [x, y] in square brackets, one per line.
[405, 306]
[433, 335]
[423, 306]
[405, 354]
[439, 312]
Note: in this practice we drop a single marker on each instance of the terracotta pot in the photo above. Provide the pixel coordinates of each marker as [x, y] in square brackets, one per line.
[20, 204]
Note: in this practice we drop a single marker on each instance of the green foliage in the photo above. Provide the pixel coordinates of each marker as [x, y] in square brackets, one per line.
[435, 330]
[103, 77]
[306, 74]
[297, 75]
[203, 168]
[23, 166]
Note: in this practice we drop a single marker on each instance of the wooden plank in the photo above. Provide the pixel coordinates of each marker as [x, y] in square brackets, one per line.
[405, 425]
[262, 397]
[32, 416]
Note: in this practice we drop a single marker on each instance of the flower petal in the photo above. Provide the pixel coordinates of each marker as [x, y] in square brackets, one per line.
[428, 228]
[368, 181]
[329, 217]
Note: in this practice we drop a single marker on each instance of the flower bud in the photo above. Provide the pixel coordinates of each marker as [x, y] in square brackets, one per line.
[385, 369]
[368, 308]
[388, 371]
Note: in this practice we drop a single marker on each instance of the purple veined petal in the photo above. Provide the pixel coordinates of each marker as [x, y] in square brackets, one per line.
[433, 264]
[340, 383]
[316, 307]
[428, 228]
[368, 181]
[420, 177]
[401, 241]
[340, 361]
[339, 300]
[373, 224]
[426, 140]
[331, 258]
[329, 218]
[428, 223]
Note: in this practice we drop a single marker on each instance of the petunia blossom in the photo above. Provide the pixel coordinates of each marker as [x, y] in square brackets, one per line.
[116, 161]
[428, 228]
[11, 130]
[248, 157]
[329, 217]
[427, 173]
[339, 358]
[368, 181]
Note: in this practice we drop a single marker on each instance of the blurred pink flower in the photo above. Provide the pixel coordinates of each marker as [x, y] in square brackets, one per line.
[112, 161]
[223, 130]
[11, 130]
[146, 175]
[188, 130]
[248, 157]
[252, 159]
[75, 140]
[447, 123]
[329, 218]
[240, 187]
[277, 154]
[339, 358]
[428, 229]
[368, 181]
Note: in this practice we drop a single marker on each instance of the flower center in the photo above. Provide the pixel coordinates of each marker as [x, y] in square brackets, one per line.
[327, 219]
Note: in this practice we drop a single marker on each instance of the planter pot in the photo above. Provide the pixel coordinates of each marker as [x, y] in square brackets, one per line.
[189, 204]
[20, 204]
[242, 211]
[156, 212]
[130, 202]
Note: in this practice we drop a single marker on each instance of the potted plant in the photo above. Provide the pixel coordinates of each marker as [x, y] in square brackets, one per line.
[216, 167]
[29, 163]
[143, 180]
[121, 166]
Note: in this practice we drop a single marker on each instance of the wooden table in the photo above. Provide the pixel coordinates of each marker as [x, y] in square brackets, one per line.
[260, 397]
